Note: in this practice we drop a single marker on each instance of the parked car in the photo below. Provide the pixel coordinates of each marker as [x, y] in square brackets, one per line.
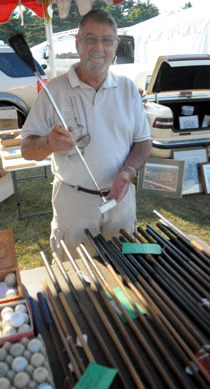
[19, 86]
[177, 103]
[176, 97]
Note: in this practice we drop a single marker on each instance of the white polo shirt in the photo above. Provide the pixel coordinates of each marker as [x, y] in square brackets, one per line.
[114, 117]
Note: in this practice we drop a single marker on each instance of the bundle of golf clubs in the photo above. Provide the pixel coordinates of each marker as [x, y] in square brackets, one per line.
[166, 343]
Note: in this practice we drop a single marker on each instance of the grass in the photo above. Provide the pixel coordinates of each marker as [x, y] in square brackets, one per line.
[191, 214]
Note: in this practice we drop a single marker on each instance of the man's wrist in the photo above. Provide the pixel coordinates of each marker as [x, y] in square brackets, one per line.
[131, 169]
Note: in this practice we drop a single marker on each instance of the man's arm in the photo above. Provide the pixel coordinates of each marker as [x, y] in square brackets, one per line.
[136, 159]
[39, 147]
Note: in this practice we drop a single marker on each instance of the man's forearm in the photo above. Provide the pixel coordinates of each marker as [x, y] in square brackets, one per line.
[138, 155]
[35, 148]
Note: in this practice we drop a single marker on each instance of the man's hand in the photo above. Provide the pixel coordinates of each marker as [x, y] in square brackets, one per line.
[60, 140]
[120, 186]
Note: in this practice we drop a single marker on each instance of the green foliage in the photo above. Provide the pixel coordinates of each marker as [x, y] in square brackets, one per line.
[187, 5]
[125, 14]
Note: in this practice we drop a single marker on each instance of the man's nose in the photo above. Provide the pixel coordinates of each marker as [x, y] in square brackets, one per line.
[98, 45]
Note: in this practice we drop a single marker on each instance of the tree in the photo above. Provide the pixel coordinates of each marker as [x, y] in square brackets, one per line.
[187, 5]
[126, 14]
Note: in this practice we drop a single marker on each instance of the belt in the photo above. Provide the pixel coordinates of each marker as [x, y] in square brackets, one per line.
[101, 193]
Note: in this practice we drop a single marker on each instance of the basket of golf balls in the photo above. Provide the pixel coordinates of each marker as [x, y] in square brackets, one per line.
[10, 286]
[24, 364]
[15, 321]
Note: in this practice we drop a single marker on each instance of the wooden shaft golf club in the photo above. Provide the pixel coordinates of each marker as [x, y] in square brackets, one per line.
[151, 311]
[47, 319]
[106, 322]
[135, 329]
[167, 323]
[177, 287]
[67, 309]
[149, 283]
[179, 343]
[65, 330]
[90, 321]
[171, 275]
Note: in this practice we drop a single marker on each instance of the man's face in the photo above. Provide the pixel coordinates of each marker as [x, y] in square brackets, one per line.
[96, 46]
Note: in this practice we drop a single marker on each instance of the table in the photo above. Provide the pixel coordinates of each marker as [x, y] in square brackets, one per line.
[16, 164]
[33, 281]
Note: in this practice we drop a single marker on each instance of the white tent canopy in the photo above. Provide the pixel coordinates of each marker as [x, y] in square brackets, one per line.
[184, 32]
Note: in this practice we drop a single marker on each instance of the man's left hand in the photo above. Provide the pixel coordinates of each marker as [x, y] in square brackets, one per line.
[120, 186]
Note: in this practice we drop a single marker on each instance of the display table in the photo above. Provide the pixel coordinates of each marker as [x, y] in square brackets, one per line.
[14, 165]
[33, 282]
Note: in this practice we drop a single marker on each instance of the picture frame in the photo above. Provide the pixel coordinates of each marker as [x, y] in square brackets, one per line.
[162, 176]
[186, 122]
[192, 176]
[205, 176]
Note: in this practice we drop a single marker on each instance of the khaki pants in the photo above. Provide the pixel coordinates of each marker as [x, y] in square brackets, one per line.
[73, 211]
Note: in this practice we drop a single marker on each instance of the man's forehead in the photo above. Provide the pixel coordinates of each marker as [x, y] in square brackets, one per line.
[94, 28]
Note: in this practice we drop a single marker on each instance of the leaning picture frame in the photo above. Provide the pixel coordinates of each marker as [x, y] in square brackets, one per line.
[161, 176]
[192, 176]
[205, 176]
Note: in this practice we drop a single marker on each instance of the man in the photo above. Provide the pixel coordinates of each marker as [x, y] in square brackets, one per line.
[107, 121]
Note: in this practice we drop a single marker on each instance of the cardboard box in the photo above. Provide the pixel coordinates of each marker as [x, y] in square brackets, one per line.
[6, 185]
[9, 134]
[8, 118]
[18, 336]
[8, 264]
[11, 141]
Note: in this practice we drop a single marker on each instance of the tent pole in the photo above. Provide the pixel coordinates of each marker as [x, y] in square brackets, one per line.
[49, 35]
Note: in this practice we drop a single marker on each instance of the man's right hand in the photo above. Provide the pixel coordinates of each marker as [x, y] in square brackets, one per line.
[60, 140]
[37, 148]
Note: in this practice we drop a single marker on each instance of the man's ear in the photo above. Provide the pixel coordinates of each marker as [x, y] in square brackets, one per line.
[118, 42]
[77, 42]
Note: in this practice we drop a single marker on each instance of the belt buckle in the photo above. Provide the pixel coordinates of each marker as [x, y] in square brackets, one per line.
[104, 192]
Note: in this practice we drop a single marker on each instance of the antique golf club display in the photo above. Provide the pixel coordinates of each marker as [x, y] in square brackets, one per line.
[22, 49]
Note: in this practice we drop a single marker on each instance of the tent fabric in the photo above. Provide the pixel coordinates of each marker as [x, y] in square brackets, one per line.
[7, 7]
[40, 6]
[184, 32]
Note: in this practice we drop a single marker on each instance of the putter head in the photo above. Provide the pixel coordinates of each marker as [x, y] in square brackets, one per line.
[21, 48]
[107, 205]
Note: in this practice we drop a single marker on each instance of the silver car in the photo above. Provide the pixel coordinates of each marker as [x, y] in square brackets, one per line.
[19, 86]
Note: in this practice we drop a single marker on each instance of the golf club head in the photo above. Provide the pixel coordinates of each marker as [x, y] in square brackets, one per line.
[21, 48]
[107, 205]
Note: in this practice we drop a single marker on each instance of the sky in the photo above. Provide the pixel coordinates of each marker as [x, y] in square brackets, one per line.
[172, 5]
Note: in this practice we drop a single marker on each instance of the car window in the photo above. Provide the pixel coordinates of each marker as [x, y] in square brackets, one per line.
[147, 82]
[12, 66]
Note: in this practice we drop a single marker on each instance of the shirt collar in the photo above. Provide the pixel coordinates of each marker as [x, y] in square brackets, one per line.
[74, 81]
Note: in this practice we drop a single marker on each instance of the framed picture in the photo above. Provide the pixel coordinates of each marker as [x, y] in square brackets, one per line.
[205, 176]
[192, 177]
[162, 176]
[186, 122]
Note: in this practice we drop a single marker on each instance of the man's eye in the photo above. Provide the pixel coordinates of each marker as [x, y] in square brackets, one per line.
[107, 42]
[91, 41]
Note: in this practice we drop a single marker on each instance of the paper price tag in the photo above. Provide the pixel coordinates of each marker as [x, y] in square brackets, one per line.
[141, 248]
[96, 377]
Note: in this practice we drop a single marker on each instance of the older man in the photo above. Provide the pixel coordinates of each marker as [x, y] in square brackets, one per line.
[107, 121]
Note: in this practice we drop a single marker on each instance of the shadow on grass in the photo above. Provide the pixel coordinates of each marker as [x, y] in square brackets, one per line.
[191, 214]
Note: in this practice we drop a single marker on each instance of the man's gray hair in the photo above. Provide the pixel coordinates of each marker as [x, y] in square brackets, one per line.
[98, 16]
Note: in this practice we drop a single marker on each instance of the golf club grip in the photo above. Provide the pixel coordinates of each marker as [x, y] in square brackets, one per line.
[44, 309]
[50, 272]
[37, 325]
